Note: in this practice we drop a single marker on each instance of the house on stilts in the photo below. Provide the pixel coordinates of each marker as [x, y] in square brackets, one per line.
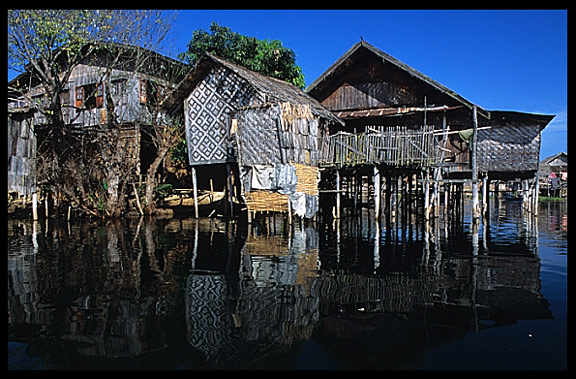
[112, 82]
[412, 129]
[255, 137]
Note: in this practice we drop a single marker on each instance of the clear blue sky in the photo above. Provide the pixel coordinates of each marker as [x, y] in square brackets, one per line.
[500, 60]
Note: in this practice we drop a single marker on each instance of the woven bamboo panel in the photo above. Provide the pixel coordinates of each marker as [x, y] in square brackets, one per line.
[262, 200]
[509, 148]
[308, 178]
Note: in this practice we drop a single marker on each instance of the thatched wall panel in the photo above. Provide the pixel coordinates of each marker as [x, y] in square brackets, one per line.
[509, 148]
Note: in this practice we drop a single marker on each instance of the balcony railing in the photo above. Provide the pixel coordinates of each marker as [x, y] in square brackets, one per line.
[395, 146]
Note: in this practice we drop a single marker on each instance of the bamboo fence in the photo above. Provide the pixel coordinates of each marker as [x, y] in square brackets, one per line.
[395, 146]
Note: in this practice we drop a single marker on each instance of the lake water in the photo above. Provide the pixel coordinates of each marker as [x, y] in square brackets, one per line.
[188, 294]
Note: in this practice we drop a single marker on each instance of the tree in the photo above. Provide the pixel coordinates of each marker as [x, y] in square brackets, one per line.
[49, 45]
[264, 56]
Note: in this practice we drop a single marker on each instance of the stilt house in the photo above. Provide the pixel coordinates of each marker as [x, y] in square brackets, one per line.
[265, 131]
[135, 79]
[371, 90]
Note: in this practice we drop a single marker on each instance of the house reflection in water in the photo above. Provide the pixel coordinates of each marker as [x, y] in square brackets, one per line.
[121, 296]
[284, 297]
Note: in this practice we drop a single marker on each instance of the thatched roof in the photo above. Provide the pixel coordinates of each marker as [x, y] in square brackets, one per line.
[274, 89]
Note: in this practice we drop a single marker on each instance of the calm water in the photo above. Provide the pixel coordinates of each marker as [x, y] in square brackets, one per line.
[203, 294]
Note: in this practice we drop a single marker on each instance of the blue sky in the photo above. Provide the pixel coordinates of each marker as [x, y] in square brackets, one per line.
[499, 59]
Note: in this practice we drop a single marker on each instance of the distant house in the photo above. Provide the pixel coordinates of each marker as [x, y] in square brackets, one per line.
[265, 131]
[554, 175]
[134, 89]
[557, 164]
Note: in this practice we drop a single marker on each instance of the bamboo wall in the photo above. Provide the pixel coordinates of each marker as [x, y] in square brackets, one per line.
[509, 148]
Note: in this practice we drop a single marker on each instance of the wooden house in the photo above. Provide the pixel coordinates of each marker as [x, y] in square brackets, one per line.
[367, 87]
[136, 79]
[554, 175]
[265, 131]
[372, 91]
[557, 164]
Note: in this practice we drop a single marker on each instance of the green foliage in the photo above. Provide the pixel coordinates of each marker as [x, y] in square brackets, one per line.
[264, 56]
[179, 152]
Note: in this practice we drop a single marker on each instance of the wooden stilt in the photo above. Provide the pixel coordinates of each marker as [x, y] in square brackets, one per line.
[35, 206]
[377, 188]
[485, 195]
[446, 197]
[426, 196]
[388, 201]
[355, 188]
[338, 193]
[230, 189]
[195, 191]
[473, 147]
[536, 193]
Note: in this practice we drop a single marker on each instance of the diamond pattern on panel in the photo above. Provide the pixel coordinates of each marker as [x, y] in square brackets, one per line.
[208, 108]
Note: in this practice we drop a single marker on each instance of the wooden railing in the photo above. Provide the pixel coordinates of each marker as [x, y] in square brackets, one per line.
[395, 146]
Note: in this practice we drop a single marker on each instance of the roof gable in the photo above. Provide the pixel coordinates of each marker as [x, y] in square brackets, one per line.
[273, 89]
[332, 78]
[558, 159]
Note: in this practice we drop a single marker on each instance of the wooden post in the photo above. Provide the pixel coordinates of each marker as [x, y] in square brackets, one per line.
[211, 190]
[35, 206]
[377, 187]
[195, 191]
[485, 194]
[229, 185]
[536, 192]
[355, 188]
[446, 197]
[426, 197]
[388, 210]
[338, 189]
[410, 196]
[473, 147]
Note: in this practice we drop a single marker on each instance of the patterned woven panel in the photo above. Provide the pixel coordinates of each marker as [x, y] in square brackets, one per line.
[509, 148]
[207, 318]
[207, 114]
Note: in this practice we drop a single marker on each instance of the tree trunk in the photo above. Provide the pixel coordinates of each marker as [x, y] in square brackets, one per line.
[114, 202]
[150, 207]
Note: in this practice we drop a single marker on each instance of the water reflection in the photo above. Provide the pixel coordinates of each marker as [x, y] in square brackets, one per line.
[189, 294]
